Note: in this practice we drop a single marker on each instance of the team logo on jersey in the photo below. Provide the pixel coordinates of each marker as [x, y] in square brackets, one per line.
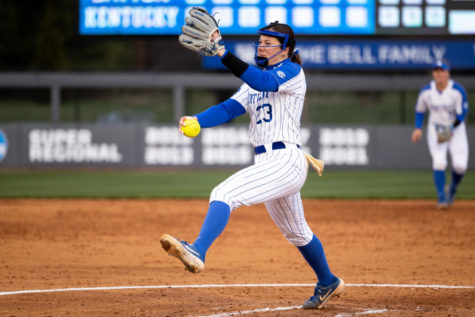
[253, 98]
[3, 145]
[281, 74]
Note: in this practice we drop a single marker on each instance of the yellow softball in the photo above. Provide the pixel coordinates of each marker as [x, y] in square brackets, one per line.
[191, 128]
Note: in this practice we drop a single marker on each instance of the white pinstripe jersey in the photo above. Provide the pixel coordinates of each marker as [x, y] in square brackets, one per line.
[276, 176]
[275, 116]
[443, 105]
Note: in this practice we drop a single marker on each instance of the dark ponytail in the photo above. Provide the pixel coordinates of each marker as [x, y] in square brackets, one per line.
[295, 57]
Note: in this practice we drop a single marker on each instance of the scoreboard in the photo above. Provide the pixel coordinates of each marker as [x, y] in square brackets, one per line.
[425, 16]
[242, 17]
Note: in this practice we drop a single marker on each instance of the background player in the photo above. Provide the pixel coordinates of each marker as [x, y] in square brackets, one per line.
[447, 102]
[274, 99]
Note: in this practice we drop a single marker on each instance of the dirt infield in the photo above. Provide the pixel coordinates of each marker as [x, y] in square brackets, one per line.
[60, 244]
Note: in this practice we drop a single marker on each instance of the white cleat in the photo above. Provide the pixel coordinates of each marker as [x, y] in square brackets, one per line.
[442, 206]
[186, 253]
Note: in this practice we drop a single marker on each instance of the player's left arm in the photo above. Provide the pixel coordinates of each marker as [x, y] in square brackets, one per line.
[254, 77]
[461, 108]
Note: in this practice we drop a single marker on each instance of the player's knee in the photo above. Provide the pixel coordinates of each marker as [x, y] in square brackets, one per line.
[299, 239]
[215, 195]
[219, 194]
[439, 165]
[460, 168]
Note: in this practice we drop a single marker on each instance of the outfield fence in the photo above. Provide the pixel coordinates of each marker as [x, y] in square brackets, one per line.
[60, 145]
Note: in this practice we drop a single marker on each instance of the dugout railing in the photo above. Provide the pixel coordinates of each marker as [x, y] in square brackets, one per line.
[180, 82]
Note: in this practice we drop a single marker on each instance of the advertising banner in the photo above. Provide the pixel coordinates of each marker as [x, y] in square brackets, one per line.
[162, 146]
[368, 54]
[73, 145]
[10, 143]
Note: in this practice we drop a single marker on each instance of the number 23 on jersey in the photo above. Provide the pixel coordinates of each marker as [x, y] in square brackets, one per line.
[264, 113]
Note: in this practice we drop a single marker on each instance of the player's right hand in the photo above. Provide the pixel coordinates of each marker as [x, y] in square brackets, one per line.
[416, 135]
[182, 122]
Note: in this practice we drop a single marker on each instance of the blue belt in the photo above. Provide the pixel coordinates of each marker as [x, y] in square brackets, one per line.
[275, 146]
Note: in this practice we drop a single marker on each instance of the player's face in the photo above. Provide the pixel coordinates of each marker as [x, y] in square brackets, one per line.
[269, 46]
[440, 76]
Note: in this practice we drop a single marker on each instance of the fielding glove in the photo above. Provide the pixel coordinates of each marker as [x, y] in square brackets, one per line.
[198, 33]
[444, 133]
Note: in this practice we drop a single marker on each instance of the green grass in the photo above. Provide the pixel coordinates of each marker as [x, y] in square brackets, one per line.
[198, 184]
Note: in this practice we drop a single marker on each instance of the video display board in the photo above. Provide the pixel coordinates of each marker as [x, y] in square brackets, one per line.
[241, 17]
[425, 17]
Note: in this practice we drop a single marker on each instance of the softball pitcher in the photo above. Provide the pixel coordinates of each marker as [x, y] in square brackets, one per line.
[447, 102]
[273, 97]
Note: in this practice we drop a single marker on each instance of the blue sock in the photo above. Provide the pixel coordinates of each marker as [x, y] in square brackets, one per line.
[315, 256]
[456, 178]
[439, 181]
[215, 222]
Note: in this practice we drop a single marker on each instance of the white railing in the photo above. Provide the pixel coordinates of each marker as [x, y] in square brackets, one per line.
[179, 82]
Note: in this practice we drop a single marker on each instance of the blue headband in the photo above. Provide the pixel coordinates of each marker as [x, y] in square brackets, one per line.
[285, 36]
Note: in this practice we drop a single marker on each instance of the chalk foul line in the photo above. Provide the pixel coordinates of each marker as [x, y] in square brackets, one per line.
[265, 310]
[365, 312]
[111, 288]
[247, 312]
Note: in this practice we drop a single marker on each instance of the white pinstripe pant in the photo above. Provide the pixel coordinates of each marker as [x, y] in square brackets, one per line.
[457, 146]
[275, 180]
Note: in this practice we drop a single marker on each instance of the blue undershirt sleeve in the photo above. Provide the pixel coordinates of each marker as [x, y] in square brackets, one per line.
[221, 113]
[461, 117]
[260, 80]
[419, 119]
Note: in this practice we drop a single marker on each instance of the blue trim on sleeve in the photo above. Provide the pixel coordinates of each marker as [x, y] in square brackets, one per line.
[426, 87]
[221, 113]
[419, 119]
[286, 71]
[462, 91]
[260, 80]
[272, 77]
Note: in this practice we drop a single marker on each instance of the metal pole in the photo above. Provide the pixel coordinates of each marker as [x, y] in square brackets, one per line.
[55, 95]
[178, 102]
[77, 105]
[402, 107]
